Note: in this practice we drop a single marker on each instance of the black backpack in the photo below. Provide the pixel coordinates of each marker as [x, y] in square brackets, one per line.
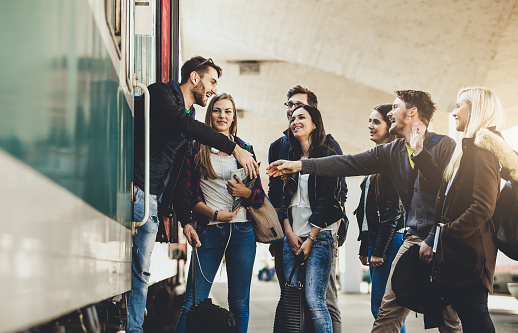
[207, 317]
[505, 220]
[204, 316]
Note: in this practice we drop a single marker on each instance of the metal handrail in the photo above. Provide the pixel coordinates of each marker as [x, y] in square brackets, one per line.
[146, 154]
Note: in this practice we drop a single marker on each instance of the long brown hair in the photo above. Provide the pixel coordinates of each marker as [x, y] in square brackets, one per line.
[383, 110]
[202, 159]
[317, 136]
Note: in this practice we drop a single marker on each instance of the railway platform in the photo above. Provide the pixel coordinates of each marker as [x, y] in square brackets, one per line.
[355, 309]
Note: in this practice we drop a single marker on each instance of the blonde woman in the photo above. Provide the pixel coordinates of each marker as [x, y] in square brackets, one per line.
[469, 188]
[220, 231]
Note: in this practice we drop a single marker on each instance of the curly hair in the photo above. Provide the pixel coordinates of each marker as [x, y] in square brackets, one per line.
[420, 100]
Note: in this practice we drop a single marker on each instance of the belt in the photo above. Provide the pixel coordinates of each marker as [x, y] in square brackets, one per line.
[219, 225]
[224, 224]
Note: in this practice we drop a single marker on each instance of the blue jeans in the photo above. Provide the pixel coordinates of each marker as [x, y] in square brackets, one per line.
[318, 268]
[143, 243]
[379, 275]
[239, 259]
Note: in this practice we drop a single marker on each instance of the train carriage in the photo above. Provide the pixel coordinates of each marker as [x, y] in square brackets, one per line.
[66, 153]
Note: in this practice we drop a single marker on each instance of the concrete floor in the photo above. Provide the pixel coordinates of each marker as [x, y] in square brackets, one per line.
[355, 309]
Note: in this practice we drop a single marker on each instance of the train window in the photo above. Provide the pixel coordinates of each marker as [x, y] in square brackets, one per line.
[113, 18]
[145, 42]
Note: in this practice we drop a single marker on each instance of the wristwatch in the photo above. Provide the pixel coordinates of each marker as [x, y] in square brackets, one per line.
[215, 217]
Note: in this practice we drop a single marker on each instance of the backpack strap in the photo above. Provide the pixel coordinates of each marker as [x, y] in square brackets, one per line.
[433, 141]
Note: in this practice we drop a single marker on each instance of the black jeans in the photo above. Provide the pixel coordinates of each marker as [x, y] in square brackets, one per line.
[470, 303]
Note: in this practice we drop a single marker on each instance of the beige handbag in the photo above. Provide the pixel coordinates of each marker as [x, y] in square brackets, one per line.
[265, 222]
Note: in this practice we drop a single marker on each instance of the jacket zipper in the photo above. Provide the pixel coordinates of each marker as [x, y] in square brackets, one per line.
[439, 238]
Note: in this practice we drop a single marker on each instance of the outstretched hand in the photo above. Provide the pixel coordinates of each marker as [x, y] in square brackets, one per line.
[417, 138]
[282, 167]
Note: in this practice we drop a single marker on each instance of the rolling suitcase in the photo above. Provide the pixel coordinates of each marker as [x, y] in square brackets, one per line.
[204, 316]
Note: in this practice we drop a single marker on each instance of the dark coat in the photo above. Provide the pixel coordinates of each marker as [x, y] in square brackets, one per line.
[466, 252]
[384, 216]
[324, 197]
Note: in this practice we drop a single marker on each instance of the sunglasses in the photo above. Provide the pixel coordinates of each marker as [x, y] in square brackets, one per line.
[208, 60]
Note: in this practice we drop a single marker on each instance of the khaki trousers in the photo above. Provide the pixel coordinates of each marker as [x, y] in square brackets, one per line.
[392, 316]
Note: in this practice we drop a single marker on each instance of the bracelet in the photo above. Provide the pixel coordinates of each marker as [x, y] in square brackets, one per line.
[215, 217]
[312, 238]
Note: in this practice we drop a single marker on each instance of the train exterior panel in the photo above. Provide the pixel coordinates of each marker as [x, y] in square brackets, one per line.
[66, 161]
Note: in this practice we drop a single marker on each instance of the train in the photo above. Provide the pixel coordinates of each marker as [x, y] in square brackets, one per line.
[69, 71]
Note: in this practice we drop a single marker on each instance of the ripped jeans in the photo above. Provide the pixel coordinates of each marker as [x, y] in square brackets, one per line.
[318, 268]
[143, 243]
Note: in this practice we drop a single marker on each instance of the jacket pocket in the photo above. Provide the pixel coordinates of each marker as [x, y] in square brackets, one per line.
[460, 262]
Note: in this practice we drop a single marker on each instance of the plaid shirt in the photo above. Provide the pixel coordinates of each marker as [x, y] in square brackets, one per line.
[195, 194]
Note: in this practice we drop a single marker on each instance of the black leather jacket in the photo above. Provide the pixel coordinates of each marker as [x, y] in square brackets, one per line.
[324, 197]
[381, 226]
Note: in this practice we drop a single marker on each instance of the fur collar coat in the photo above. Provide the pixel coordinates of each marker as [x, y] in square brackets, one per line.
[466, 253]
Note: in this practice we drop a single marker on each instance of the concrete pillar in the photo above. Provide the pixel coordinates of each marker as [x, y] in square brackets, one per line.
[349, 264]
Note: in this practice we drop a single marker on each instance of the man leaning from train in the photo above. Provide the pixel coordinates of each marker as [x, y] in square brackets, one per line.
[172, 129]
